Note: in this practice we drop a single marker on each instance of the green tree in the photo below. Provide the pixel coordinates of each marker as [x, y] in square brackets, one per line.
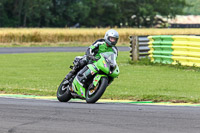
[144, 11]
[36, 13]
[88, 13]
[70, 12]
[7, 13]
[193, 9]
[26, 13]
[103, 13]
[3, 15]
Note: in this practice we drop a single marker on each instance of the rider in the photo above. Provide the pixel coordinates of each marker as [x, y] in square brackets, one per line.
[93, 53]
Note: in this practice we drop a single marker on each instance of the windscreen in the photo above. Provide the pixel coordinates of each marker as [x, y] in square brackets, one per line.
[110, 57]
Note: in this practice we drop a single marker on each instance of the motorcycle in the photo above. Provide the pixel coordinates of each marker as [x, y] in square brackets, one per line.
[103, 71]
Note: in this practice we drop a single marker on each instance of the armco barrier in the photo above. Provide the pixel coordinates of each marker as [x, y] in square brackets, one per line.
[173, 49]
[139, 47]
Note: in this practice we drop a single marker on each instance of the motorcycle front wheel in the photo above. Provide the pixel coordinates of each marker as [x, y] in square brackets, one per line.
[93, 94]
[63, 93]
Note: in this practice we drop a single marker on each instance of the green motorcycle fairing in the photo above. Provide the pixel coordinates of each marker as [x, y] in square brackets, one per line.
[103, 64]
[106, 62]
[78, 88]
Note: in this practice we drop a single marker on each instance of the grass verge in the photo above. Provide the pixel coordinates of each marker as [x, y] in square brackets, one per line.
[41, 73]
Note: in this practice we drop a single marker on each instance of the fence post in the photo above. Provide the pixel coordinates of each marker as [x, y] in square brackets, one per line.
[134, 53]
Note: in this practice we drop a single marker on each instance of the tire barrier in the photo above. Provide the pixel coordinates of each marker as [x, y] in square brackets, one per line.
[174, 49]
[139, 47]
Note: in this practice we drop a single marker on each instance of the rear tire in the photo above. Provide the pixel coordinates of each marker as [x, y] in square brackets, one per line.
[63, 95]
[99, 92]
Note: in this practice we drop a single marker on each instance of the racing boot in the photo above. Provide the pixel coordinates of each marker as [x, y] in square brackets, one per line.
[70, 74]
[84, 76]
[79, 62]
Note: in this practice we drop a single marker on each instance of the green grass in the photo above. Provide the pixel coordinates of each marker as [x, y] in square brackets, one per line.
[41, 73]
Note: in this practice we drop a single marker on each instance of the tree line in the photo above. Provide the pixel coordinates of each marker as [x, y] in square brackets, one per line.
[86, 13]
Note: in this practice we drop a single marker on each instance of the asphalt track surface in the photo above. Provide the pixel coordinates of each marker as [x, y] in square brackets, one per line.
[14, 50]
[51, 116]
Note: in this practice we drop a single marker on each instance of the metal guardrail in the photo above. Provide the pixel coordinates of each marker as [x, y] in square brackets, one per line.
[139, 47]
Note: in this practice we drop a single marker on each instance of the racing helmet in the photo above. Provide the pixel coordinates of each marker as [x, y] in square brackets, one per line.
[111, 37]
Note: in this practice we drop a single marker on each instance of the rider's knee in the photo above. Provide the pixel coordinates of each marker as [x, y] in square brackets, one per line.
[80, 62]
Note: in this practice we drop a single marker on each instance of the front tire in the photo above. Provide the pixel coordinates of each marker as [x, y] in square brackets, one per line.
[99, 92]
[63, 95]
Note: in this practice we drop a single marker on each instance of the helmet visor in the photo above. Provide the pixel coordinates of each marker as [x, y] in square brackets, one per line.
[113, 40]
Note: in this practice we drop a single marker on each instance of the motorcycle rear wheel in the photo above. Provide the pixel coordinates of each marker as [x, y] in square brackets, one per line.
[63, 95]
[98, 92]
